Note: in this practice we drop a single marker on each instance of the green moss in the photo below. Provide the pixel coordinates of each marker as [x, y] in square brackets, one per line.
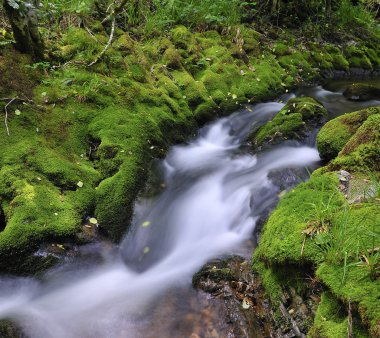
[331, 320]
[182, 37]
[362, 151]
[334, 134]
[298, 64]
[358, 289]
[115, 197]
[338, 61]
[280, 49]
[124, 43]
[77, 43]
[172, 58]
[290, 121]
[282, 239]
[357, 58]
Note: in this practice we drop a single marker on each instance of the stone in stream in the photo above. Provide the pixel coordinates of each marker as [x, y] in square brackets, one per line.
[362, 92]
[294, 121]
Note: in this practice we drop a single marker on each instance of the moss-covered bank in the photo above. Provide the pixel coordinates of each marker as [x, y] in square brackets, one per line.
[81, 139]
[331, 224]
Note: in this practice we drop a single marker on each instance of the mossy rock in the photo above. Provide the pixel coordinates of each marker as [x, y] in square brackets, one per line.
[216, 271]
[125, 43]
[357, 57]
[362, 151]
[172, 58]
[362, 92]
[182, 37]
[294, 121]
[282, 240]
[335, 133]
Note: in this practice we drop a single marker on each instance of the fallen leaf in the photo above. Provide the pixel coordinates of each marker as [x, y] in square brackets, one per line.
[17, 112]
[93, 220]
[145, 224]
[80, 184]
[246, 304]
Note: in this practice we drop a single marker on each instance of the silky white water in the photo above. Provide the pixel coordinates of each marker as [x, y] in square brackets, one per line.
[213, 196]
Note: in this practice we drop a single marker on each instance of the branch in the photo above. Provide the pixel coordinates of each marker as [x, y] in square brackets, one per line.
[18, 99]
[6, 114]
[106, 46]
[114, 12]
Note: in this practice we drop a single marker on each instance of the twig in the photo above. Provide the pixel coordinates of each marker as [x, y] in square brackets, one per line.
[106, 46]
[6, 114]
[16, 99]
[89, 32]
[114, 12]
[349, 322]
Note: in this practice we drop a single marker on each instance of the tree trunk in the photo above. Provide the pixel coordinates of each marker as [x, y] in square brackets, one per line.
[23, 19]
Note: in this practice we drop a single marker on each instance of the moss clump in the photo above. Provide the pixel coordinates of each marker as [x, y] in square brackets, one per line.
[172, 58]
[125, 43]
[281, 49]
[282, 239]
[290, 122]
[339, 62]
[331, 320]
[362, 151]
[335, 133]
[357, 58]
[362, 92]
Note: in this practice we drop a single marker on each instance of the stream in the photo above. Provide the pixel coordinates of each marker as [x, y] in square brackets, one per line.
[203, 201]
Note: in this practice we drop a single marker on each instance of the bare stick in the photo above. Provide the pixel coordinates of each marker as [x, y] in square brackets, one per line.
[106, 46]
[6, 114]
[114, 12]
[89, 32]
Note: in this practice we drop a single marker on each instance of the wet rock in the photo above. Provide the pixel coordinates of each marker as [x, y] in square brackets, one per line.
[249, 312]
[9, 330]
[362, 92]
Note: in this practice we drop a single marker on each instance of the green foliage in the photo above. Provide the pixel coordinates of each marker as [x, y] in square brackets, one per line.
[349, 15]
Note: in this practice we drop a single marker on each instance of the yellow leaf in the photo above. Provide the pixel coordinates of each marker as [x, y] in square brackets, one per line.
[93, 220]
[145, 224]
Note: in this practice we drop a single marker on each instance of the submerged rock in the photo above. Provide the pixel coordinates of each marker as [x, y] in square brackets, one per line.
[294, 121]
[362, 92]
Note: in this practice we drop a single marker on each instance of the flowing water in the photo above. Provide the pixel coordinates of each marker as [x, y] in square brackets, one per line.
[212, 193]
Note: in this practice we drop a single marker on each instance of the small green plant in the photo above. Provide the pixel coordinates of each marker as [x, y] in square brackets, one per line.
[39, 66]
[370, 261]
